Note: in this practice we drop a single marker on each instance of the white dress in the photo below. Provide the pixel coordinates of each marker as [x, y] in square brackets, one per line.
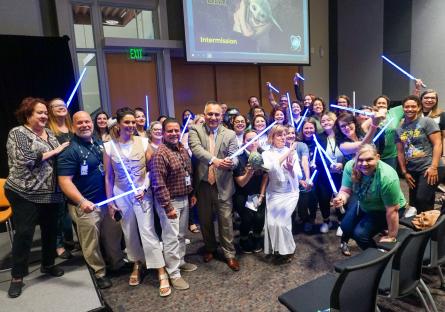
[282, 195]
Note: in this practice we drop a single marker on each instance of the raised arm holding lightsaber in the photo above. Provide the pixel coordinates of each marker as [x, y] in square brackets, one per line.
[401, 70]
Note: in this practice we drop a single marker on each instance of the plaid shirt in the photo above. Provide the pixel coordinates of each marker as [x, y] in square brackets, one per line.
[169, 167]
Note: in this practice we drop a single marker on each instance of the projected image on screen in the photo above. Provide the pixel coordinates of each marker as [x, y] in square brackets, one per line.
[247, 31]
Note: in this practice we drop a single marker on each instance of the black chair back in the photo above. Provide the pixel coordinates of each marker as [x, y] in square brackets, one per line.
[438, 239]
[407, 263]
[356, 288]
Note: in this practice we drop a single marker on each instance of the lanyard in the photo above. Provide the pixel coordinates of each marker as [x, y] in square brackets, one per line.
[90, 150]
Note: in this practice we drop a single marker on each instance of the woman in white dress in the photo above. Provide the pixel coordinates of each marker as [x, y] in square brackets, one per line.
[282, 194]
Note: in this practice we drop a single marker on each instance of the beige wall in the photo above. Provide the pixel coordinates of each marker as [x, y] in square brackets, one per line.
[317, 74]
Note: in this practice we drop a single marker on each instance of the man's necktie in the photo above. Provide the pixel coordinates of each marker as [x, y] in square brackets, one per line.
[211, 177]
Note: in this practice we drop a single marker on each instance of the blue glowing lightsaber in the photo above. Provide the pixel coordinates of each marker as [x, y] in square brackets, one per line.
[353, 110]
[147, 112]
[123, 167]
[109, 200]
[300, 123]
[328, 173]
[68, 102]
[314, 156]
[300, 77]
[321, 149]
[382, 130]
[313, 176]
[242, 148]
[271, 87]
[401, 70]
[290, 109]
[185, 127]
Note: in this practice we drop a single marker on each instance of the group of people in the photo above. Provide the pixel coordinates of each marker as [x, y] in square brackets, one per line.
[118, 177]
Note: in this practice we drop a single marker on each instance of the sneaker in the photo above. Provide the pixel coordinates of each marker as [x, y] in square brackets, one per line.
[410, 212]
[103, 282]
[345, 249]
[53, 270]
[308, 227]
[15, 289]
[339, 232]
[441, 187]
[188, 267]
[179, 283]
[187, 241]
[258, 244]
[246, 246]
[324, 228]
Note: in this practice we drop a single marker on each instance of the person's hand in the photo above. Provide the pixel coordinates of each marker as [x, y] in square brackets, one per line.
[418, 83]
[61, 147]
[140, 195]
[250, 171]
[338, 202]
[260, 199]
[227, 163]
[87, 206]
[337, 167]
[296, 79]
[172, 214]
[431, 175]
[193, 200]
[410, 180]
[377, 117]
[387, 239]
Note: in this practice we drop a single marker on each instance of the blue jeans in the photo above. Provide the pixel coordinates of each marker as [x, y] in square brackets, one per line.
[363, 226]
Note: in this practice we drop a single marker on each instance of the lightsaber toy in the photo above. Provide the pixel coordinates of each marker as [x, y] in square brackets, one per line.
[300, 123]
[353, 100]
[290, 109]
[314, 157]
[271, 87]
[109, 200]
[147, 112]
[382, 130]
[321, 149]
[313, 176]
[353, 110]
[401, 70]
[242, 148]
[300, 77]
[185, 127]
[133, 187]
[68, 102]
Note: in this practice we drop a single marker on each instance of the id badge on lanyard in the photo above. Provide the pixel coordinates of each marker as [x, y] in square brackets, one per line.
[84, 168]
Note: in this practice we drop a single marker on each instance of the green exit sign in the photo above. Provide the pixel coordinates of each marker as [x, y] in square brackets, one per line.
[136, 54]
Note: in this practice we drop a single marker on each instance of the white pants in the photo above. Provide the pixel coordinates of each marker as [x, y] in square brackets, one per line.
[140, 217]
[173, 234]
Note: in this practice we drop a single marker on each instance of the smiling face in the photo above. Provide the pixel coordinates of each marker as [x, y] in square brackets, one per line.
[279, 117]
[254, 146]
[307, 101]
[127, 125]
[367, 162]
[101, 121]
[156, 132]
[259, 124]
[296, 109]
[347, 128]
[213, 116]
[140, 118]
[342, 102]
[239, 124]
[429, 101]
[317, 107]
[308, 130]
[381, 102]
[279, 139]
[83, 125]
[58, 108]
[172, 132]
[290, 137]
[327, 122]
[411, 109]
[38, 118]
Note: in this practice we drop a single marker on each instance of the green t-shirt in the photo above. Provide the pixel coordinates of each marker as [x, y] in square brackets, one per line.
[390, 150]
[377, 191]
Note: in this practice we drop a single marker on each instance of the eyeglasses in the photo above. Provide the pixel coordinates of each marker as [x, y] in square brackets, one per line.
[346, 124]
[429, 98]
[239, 122]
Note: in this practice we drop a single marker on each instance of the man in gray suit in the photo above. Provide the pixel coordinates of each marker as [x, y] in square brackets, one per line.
[211, 145]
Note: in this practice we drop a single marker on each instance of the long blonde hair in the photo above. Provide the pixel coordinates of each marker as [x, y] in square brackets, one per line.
[52, 119]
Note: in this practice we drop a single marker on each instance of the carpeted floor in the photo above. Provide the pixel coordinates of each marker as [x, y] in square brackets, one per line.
[214, 287]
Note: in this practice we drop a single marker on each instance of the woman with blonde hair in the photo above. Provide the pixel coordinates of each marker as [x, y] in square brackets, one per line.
[59, 122]
[380, 200]
[282, 194]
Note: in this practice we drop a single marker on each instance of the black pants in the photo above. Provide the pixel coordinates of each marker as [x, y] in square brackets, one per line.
[26, 215]
[423, 195]
[250, 220]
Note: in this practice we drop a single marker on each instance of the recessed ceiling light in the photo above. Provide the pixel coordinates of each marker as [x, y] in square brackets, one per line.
[111, 22]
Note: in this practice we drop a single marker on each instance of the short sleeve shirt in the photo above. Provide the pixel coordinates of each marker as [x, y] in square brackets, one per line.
[78, 153]
[375, 192]
[416, 144]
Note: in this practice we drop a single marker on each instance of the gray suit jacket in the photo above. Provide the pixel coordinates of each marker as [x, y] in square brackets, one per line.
[225, 146]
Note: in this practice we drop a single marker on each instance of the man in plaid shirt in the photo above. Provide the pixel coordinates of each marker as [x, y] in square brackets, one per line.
[171, 177]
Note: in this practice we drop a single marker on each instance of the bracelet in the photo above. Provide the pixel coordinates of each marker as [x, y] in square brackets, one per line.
[81, 202]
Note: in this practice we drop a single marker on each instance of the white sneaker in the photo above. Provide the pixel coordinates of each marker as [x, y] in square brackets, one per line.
[324, 228]
[339, 232]
[410, 212]
[441, 187]
[187, 241]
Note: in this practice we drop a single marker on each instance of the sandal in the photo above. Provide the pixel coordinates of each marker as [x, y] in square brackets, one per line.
[135, 277]
[194, 228]
[163, 293]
